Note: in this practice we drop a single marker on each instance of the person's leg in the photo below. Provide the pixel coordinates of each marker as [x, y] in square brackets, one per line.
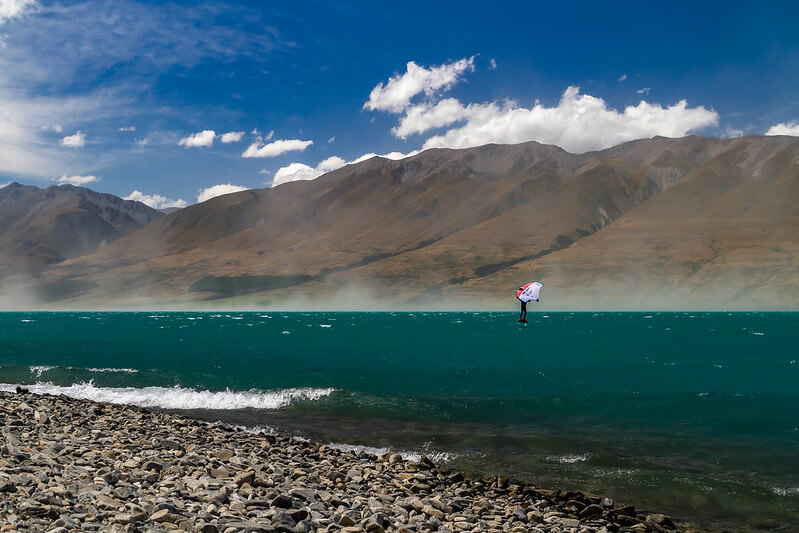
[524, 310]
[521, 313]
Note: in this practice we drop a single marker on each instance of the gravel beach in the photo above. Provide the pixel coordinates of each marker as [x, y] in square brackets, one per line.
[77, 465]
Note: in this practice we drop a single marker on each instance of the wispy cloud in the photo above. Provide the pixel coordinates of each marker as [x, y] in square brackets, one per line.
[645, 90]
[15, 8]
[77, 180]
[79, 63]
[623, 77]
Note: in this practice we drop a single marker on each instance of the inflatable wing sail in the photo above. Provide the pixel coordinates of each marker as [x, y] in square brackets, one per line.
[529, 292]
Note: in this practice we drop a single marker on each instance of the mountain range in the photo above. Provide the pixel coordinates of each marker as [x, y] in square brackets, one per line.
[666, 223]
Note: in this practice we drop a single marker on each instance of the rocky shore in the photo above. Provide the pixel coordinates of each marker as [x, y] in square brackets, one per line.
[75, 465]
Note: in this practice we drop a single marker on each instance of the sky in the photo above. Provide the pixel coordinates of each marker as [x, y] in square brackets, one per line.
[173, 103]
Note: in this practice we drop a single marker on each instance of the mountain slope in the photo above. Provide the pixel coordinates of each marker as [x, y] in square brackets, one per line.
[39, 227]
[469, 223]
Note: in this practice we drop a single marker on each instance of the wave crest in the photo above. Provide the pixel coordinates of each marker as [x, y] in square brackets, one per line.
[179, 397]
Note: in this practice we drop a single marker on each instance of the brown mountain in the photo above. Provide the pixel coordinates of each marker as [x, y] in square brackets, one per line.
[41, 227]
[657, 222]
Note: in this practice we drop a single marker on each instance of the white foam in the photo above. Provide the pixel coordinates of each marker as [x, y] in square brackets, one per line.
[415, 456]
[125, 370]
[785, 491]
[325, 325]
[40, 369]
[178, 397]
[569, 459]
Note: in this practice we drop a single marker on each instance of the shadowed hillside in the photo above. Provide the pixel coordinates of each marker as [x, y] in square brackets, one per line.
[40, 227]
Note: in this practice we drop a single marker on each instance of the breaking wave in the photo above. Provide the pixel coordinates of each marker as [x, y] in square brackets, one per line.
[179, 397]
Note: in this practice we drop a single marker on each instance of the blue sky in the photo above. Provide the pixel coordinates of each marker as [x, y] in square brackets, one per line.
[172, 103]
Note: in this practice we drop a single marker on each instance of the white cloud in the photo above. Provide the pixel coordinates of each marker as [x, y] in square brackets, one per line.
[331, 139]
[6, 184]
[74, 141]
[128, 128]
[218, 190]
[14, 8]
[331, 163]
[785, 128]
[156, 201]
[275, 148]
[423, 117]
[579, 123]
[295, 172]
[76, 180]
[201, 138]
[264, 171]
[397, 93]
[232, 136]
[55, 127]
[622, 77]
[645, 90]
[301, 171]
[492, 64]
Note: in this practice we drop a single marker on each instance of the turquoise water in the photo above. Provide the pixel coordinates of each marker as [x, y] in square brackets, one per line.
[695, 414]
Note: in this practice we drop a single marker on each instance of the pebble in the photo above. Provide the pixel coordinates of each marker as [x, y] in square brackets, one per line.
[75, 465]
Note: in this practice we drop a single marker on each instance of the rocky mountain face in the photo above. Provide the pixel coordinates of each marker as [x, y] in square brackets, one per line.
[698, 222]
[43, 227]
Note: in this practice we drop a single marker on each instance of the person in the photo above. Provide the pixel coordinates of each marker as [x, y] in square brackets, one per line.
[523, 313]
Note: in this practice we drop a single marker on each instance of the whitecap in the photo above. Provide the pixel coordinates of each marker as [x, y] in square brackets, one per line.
[125, 370]
[40, 369]
[570, 458]
[178, 397]
[758, 333]
[325, 325]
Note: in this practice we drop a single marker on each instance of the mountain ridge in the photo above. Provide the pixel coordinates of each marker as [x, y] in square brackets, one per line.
[464, 224]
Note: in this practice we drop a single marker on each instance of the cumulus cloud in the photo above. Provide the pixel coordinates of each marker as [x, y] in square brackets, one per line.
[397, 93]
[14, 8]
[301, 171]
[423, 117]
[218, 190]
[785, 128]
[156, 201]
[275, 148]
[232, 136]
[579, 123]
[76, 180]
[201, 138]
[74, 141]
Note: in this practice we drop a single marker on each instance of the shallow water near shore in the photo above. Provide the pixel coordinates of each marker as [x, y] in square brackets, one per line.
[694, 414]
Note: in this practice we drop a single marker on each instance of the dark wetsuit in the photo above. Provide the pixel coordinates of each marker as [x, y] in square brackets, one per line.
[523, 313]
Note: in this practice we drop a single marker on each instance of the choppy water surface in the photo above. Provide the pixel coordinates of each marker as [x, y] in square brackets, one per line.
[696, 414]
